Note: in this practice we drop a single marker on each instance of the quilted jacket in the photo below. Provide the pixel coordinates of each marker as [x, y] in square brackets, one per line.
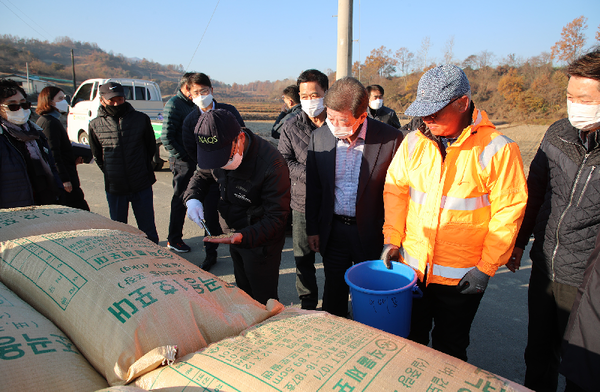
[563, 211]
[176, 110]
[123, 148]
[293, 145]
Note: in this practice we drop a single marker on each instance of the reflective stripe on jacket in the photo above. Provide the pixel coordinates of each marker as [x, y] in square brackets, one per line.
[454, 213]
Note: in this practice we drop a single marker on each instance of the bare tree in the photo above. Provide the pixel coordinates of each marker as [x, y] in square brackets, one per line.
[405, 59]
[512, 60]
[423, 52]
[540, 60]
[485, 59]
[449, 51]
[572, 41]
[471, 62]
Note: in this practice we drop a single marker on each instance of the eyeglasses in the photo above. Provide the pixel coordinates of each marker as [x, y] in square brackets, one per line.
[13, 107]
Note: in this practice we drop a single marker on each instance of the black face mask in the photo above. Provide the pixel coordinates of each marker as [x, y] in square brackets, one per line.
[116, 111]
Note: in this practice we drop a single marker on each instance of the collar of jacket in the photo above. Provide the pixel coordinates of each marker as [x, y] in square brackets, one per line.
[185, 99]
[102, 112]
[303, 118]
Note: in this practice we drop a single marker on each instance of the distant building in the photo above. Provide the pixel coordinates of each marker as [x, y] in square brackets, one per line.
[33, 86]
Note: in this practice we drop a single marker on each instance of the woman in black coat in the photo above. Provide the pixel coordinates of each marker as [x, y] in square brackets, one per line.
[51, 103]
[28, 175]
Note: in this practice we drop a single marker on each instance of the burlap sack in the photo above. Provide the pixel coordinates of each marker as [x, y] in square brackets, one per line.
[35, 355]
[36, 220]
[124, 301]
[314, 351]
[122, 388]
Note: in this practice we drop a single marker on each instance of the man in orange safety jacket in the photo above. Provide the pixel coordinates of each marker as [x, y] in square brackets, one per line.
[454, 199]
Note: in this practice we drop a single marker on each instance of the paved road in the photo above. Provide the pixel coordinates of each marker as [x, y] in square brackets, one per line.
[498, 334]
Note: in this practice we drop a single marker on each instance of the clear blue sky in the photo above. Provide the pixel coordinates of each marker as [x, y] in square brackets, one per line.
[274, 39]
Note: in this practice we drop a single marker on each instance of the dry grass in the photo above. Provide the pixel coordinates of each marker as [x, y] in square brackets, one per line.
[528, 137]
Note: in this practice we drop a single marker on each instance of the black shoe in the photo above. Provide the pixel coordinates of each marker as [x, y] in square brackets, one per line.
[179, 247]
[208, 262]
[308, 304]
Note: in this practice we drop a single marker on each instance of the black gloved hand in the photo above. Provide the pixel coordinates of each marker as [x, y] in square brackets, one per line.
[390, 253]
[474, 282]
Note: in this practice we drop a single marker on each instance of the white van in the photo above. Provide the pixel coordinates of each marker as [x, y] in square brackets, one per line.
[143, 95]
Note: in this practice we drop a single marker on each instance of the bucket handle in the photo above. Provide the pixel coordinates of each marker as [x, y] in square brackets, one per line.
[417, 293]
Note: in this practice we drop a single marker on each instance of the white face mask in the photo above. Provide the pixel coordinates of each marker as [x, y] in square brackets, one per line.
[340, 132]
[203, 101]
[376, 104]
[234, 162]
[62, 106]
[19, 117]
[582, 116]
[312, 107]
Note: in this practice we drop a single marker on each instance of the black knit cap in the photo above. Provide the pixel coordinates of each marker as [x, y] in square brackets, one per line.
[214, 133]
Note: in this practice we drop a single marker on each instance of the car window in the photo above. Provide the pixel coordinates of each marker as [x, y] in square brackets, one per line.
[94, 90]
[128, 92]
[83, 94]
[140, 93]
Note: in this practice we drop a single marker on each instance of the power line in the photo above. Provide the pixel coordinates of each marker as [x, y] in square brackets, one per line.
[201, 38]
[47, 33]
[41, 35]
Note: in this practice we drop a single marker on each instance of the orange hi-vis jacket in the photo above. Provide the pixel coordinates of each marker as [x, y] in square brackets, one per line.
[450, 215]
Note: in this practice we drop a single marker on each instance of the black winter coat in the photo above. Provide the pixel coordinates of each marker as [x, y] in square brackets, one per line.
[282, 118]
[255, 198]
[385, 115]
[61, 148]
[581, 345]
[293, 145]
[563, 208]
[15, 187]
[123, 148]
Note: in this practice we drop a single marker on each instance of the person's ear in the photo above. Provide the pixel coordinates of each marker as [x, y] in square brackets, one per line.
[463, 103]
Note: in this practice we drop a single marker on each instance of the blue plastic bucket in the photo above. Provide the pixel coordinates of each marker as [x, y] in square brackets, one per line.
[381, 297]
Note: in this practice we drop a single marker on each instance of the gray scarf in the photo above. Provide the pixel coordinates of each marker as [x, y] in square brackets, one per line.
[28, 134]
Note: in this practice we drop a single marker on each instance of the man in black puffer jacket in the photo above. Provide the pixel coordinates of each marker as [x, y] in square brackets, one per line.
[563, 213]
[293, 145]
[254, 186]
[122, 141]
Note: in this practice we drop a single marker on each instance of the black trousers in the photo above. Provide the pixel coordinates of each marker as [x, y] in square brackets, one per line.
[306, 273]
[549, 309]
[182, 173]
[343, 250]
[256, 269]
[75, 199]
[452, 314]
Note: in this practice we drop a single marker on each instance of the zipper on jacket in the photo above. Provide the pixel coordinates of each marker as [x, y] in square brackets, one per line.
[587, 181]
[562, 216]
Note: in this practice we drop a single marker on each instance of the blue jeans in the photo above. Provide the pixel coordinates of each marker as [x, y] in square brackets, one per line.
[142, 203]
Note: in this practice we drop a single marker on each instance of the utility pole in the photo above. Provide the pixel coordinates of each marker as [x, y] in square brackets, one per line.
[73, 68]
[344, 39]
